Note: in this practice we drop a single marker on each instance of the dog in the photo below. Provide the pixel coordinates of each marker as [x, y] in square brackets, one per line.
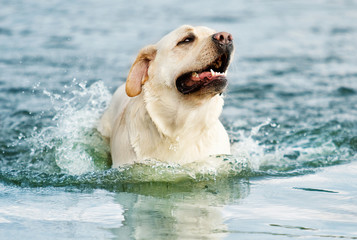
[168, 109]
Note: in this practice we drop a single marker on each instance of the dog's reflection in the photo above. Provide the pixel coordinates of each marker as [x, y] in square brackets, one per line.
[178, 212]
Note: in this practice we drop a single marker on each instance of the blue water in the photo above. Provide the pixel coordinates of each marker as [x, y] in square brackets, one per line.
[290, 110]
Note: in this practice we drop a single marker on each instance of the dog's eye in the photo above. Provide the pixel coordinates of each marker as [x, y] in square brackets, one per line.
[186, 40]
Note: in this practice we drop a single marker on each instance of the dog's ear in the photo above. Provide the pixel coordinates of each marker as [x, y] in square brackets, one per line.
[138, 73]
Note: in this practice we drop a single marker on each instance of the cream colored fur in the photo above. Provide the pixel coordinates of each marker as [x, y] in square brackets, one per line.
[157, 121]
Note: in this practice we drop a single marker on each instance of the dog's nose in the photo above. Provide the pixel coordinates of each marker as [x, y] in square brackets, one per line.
[222, 38]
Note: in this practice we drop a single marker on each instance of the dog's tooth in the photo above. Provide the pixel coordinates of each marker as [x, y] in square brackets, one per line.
[195, 74]
[213, 73]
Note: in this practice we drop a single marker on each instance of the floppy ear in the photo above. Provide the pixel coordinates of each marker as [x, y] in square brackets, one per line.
[138, 73]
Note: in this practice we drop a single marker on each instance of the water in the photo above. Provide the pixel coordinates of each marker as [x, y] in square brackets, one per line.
[291, 113]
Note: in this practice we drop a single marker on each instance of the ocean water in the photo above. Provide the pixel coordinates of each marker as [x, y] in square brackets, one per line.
[290, 111]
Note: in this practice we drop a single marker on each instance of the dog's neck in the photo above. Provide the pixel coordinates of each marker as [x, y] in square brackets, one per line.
[175, 118]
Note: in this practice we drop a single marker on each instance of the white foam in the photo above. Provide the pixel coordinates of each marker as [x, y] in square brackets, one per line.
[249, 150]
[73, 135]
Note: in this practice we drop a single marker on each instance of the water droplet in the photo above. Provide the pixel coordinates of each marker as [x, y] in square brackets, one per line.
[21, 136]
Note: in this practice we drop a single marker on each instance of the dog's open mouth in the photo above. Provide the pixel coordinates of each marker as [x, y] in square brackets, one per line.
[214, 75]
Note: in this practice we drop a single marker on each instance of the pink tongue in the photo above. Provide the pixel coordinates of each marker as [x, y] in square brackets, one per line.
[202, 76]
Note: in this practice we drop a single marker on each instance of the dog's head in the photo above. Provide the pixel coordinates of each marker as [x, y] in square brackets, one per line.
[189, 60]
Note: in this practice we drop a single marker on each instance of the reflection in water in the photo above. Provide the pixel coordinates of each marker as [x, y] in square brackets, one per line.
[163, 212]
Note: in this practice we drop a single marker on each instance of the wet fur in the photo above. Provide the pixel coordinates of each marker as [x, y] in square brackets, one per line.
[149, 119]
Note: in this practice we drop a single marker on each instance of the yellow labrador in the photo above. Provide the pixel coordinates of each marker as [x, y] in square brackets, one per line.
[168, 109]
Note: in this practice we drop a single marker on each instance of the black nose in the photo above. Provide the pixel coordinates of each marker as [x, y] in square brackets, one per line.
[223, 40]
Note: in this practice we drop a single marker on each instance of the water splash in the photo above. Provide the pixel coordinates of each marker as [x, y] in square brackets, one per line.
[76, 145]
[269, 156]
[247, 148]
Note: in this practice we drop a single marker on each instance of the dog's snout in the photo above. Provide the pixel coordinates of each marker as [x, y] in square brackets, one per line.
[222, 38]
